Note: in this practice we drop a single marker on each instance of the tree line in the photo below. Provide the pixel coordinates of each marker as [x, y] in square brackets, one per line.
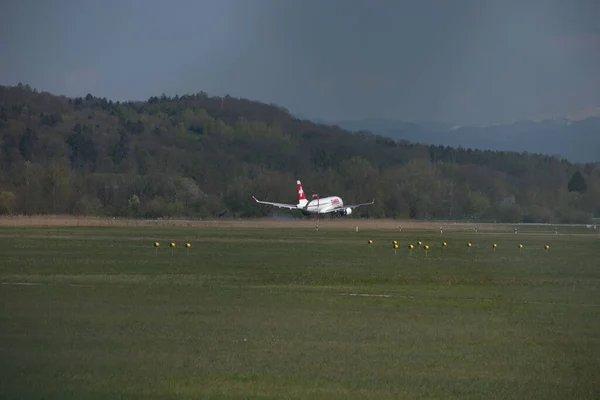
[203, 156]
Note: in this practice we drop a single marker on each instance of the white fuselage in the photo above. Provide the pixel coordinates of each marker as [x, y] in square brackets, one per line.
[333, 205]
[323, 206]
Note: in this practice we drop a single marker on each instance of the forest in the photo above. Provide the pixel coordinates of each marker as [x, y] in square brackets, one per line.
[202, 156]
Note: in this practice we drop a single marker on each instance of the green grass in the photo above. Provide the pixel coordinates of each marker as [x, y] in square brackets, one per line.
[96, 313]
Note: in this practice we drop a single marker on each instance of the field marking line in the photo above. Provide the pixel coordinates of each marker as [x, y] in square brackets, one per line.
[365, 294]
[482, 300]
[40, 284]
[398, 296]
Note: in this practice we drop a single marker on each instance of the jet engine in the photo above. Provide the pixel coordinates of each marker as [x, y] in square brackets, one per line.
[348, 211]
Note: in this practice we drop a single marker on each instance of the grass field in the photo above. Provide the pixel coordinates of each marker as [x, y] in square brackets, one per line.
[95, 312]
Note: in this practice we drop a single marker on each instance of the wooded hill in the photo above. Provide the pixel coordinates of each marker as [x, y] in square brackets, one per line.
[202, 156]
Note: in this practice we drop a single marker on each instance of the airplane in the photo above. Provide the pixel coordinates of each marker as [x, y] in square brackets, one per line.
[328, 205]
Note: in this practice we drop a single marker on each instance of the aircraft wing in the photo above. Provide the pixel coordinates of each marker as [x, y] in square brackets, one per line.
[280, 205]
[358, 205]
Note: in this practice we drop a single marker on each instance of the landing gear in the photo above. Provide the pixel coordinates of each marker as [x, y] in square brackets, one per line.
[316, 196]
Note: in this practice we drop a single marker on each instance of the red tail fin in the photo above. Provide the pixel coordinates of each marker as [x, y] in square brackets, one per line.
[301, 195]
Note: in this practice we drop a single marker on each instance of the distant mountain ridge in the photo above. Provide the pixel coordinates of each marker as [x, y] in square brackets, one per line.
[575, 140]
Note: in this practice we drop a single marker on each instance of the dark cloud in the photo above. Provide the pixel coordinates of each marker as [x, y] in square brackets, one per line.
[463, 61]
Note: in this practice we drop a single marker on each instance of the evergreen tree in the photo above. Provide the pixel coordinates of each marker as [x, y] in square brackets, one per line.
[577, 183]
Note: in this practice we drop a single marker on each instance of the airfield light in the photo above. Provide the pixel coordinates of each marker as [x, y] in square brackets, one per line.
[411, 247]
[395, 246]
[546, 247]
[156, 246]
[394, 242]
[370, 242]
[520, 247]
[494, 246]
[426, 247]
[444, 244]
[172, 245]
[188, 245]
[419, 243]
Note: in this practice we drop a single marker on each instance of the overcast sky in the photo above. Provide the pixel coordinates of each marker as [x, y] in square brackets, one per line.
[439, 60]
